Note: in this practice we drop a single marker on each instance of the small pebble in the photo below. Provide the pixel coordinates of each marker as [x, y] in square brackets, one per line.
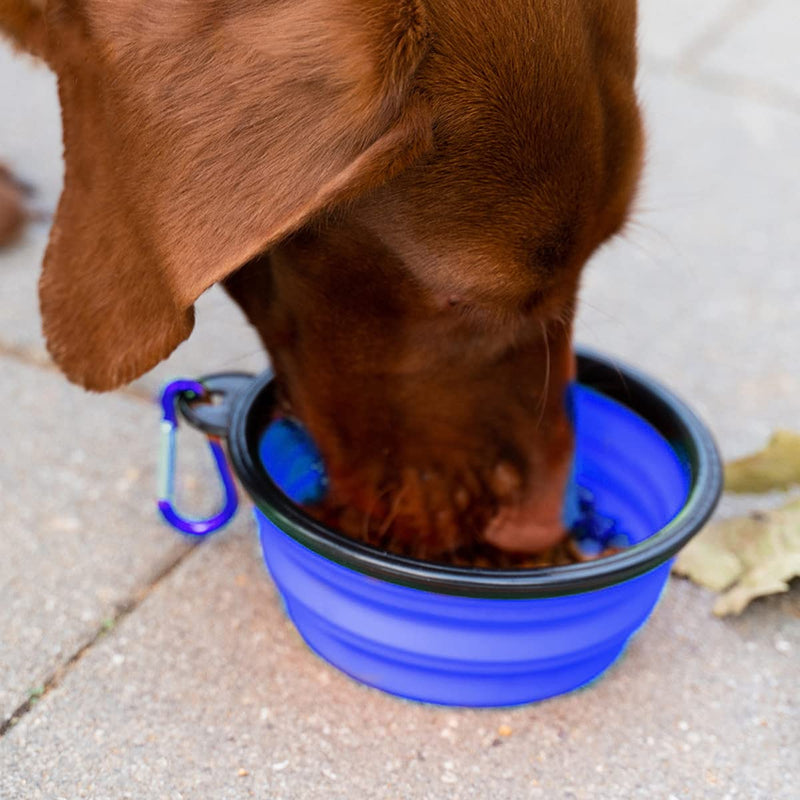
[504, 730]
[242, 773]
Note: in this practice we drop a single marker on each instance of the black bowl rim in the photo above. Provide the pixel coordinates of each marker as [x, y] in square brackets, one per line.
[685, 432]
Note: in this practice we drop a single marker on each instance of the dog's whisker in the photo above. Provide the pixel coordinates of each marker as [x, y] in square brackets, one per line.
[609, 317]
[368, 514]
[677, 258]
[546, 388]
[244, 356]
[392, 515]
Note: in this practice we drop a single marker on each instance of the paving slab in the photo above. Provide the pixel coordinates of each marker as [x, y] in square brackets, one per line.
[79, 535]
[667, 30]
[207, 691]
[702, 290]
[762, 48]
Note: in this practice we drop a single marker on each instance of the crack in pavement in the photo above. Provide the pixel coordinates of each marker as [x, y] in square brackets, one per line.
[749, 89]
[34, 356]
[735, 87]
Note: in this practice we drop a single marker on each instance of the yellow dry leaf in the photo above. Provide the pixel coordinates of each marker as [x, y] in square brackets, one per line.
[745, 557]
[777, 466]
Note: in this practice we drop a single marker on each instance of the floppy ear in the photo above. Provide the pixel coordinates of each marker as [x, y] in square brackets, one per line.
[198, 134]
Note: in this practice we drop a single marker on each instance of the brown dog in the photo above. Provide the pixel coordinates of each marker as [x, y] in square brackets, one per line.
[400, 194]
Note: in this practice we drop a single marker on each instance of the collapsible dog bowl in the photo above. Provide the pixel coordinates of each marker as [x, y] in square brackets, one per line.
[478, 637]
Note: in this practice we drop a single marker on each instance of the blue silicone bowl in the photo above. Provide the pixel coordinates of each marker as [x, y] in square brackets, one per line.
[478, 637]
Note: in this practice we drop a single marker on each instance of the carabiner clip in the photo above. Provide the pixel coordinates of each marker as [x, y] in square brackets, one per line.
[166, 466]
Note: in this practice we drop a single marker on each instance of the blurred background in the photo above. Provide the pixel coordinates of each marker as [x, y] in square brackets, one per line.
[99, 603]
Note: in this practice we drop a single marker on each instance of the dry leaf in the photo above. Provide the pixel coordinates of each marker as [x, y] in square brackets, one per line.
[13, 212]
[750, 557]
[775, 467]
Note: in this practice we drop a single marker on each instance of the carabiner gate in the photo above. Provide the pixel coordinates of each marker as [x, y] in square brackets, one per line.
[166, 465]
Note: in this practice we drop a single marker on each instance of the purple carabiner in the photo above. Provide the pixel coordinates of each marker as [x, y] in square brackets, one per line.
[166, 466]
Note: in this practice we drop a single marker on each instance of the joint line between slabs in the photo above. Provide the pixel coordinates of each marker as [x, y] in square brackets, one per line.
[123, 610]
[734, 15]
[732, 86]
[32, 357]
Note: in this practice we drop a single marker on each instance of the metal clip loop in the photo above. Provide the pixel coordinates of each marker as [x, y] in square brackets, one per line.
[166, 465]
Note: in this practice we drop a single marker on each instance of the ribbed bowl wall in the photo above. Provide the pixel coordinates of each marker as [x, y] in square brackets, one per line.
[454, 650]
[472, 651]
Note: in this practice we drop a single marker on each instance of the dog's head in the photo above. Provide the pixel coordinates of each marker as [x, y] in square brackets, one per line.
[427, 179]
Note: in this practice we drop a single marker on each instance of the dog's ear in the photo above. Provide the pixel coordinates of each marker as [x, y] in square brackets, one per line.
[23, 21]
[198, 133]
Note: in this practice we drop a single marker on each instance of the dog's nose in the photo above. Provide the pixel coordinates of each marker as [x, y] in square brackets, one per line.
[536, 523]
[526, 529]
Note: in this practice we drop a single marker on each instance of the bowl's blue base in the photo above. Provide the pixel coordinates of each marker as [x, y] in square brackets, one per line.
[460, 685]
[472, 651]
[454, 650]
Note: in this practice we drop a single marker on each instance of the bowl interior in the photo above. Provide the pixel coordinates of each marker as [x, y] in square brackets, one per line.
[636, 477]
